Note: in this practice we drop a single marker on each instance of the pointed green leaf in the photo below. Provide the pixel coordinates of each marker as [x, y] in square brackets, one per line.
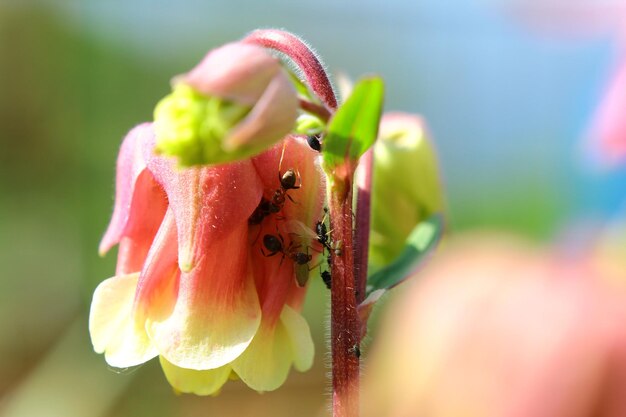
[420, 242]
[354, 127]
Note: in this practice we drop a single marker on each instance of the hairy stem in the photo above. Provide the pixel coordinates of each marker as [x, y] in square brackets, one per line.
[295, 48]
[345, 325]
[362, 224]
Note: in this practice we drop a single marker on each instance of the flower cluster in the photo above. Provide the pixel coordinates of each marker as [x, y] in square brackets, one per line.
[196, 283]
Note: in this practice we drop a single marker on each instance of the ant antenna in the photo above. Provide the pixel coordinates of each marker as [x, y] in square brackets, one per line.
[282, 155]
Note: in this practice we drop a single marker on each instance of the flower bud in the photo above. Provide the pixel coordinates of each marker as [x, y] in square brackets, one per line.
[237, 102]
[406, 185]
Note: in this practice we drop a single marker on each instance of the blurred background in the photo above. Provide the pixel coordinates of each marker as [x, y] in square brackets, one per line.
[508, 89]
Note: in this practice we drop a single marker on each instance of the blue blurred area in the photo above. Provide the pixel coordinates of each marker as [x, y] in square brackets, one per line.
[499, 98]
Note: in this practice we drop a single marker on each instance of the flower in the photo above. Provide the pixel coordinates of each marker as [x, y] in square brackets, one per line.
[496, 327]
[237, 102]
[192, 285]
[608, 128]
[406, 185]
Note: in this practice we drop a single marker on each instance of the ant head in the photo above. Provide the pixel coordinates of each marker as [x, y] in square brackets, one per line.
[302, 258]
[288, 180]
[320, 229]
[314, 142]
[272, 243]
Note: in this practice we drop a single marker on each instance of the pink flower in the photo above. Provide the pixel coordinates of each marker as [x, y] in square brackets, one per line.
[608, 130]
[192, 285]
[497, 328]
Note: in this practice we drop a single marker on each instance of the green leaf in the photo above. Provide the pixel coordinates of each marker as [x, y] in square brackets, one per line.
[354, 127]
[299, 85]
[420, 242]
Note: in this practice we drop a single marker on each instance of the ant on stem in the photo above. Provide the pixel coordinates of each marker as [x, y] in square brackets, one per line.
[323, 237]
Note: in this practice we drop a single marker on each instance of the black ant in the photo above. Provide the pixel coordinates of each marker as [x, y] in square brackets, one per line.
[326, 278]
[314, 142]
[290, 180]
[323, 237]
[355, 350]
[276, 245]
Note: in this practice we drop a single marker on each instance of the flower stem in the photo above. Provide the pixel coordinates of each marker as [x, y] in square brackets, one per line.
[316, 109]
[362, 224]
[345, 325]
[296, 49]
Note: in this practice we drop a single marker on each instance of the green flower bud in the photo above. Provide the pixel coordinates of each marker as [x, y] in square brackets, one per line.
[406, 187]
[236, 103]
[191, 126]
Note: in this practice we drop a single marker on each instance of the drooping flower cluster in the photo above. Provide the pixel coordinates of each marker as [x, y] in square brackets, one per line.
[196, 283]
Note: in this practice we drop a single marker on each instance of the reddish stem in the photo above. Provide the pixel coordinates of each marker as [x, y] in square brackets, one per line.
[296, 49]
[362, 226]
[320, 111]
[345, 324]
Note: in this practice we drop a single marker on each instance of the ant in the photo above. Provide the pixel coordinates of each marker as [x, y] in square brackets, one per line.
[276, 245]
[290, 180]
[355, 350]
[327, 278]
[323, 238]
[314, 142]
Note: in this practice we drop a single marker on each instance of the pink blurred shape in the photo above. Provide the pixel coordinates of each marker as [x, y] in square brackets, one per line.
[608, 128]
[498, 328]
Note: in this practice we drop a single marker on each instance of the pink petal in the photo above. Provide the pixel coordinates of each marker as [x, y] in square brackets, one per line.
[157, 288]
[207, 202]
[272, 117]
[300, 157]
[275, 279]
[215, 311]
[235, 71]
[139, 202]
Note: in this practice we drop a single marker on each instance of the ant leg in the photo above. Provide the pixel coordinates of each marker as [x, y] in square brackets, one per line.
[292, 200]
[316, 265]
[268, 255]
[317, 250]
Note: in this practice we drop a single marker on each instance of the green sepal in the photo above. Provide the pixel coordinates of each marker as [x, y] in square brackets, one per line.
[354, 127]
[422, 240]
[299, 85]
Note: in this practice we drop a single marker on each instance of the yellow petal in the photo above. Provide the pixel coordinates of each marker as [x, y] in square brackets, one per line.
[264, 366]
[301, 340]
[113, 329]
[195, 382]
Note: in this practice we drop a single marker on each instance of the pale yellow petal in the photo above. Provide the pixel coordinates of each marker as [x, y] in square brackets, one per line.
[190, 381]
[113, 329]
[300, 336]
[264, 366]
